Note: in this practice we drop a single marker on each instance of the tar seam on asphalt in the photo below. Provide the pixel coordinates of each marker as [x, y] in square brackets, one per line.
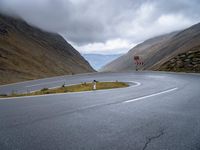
[149, 139]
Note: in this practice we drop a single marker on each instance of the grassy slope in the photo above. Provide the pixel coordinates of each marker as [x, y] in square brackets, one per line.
[29, 53]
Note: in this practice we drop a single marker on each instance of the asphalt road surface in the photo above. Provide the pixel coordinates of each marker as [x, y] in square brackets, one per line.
[161, 111]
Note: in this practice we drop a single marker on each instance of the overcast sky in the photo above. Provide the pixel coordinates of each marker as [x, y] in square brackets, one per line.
[106, 26]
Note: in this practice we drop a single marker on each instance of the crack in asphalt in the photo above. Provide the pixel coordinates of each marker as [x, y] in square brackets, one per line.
[149, 139]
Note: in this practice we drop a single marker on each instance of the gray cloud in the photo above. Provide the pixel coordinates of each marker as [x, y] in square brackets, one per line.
[98, 21]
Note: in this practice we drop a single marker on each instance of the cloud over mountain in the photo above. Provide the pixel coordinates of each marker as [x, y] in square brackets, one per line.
[90, 23]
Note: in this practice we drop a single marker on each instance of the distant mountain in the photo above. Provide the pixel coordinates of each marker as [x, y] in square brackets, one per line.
[177, 51]
[99, 60]
[27, 53]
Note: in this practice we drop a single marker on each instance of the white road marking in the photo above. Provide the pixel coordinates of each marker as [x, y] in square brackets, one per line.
[137, 83]
[147, 96]
[46, 83]
[51, 88]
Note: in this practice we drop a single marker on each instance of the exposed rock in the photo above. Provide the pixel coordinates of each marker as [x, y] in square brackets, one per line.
[3, 30]
[195, 59]
[179, 63]
[191, 56]
[187, 62]
[182, 56]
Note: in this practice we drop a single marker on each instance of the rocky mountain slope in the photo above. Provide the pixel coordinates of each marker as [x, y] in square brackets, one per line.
[182, 42]
[184, 62]
[27, 53]
[162, 51]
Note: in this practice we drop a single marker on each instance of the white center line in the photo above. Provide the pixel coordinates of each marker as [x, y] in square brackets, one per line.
[147, 96]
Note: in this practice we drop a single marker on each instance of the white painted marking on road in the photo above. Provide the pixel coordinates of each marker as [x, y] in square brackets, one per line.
[51, 88]
[151, 95]
[46, 83]
[137, 83]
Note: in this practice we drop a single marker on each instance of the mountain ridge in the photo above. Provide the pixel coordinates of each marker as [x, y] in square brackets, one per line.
[28, 53]
[157, 51]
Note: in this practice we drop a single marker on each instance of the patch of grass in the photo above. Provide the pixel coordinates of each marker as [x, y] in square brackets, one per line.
[44, 89]
[74, 88]
[3, 95]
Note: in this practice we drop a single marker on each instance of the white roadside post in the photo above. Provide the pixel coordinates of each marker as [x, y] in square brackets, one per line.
[94, 85]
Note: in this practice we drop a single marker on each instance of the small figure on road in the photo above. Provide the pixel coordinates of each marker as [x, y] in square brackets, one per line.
[94, 84]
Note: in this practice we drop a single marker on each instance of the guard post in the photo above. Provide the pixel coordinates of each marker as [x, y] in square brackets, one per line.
[94, 84]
